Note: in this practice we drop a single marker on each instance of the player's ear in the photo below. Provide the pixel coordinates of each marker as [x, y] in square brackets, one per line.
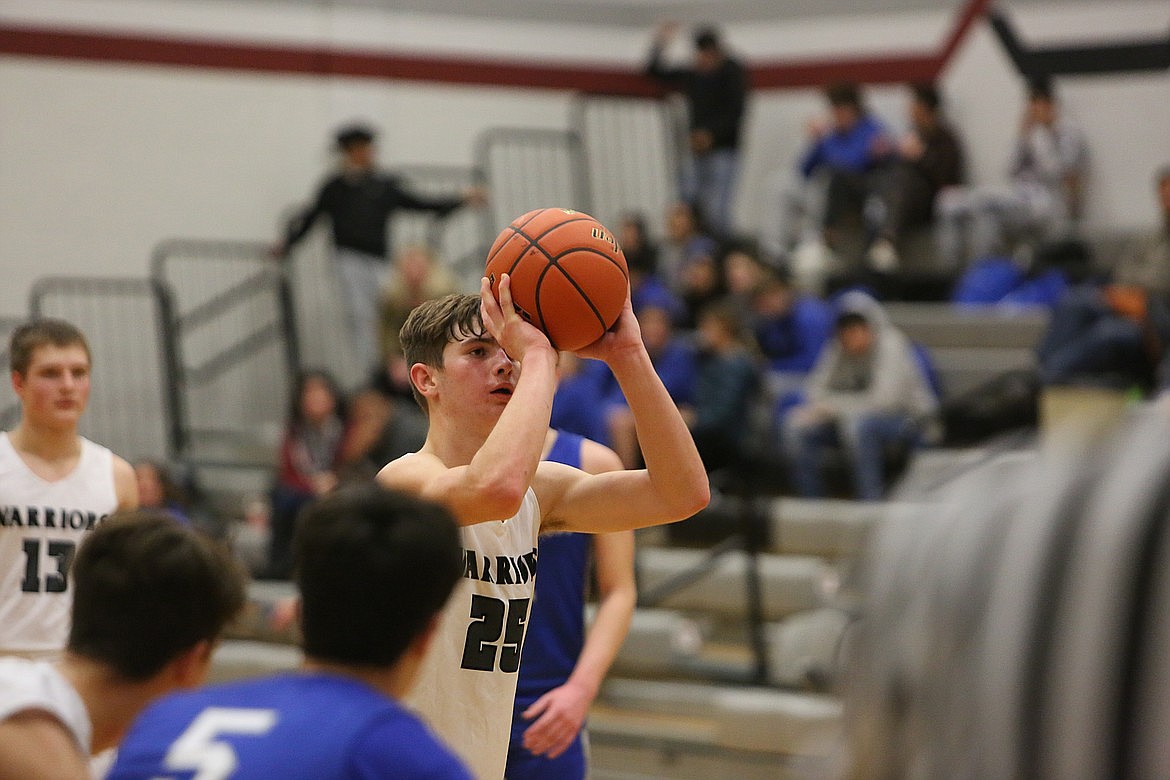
[189, 669]
[422, 377]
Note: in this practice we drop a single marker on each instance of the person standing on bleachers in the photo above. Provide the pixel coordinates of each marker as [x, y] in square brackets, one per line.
[716, 90]
[56, 486]
[1043, 200]
[359, 201]
[867, 391]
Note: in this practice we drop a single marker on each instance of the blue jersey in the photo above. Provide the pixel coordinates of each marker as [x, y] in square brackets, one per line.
[314, 726]
[555, 637]
[556, 625]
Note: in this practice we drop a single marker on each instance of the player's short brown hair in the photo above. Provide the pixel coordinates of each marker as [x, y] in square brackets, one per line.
[434, 324]
[33, 335]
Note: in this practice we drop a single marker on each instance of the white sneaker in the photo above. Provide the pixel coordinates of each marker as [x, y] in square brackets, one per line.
[810, 265]
[882, 256]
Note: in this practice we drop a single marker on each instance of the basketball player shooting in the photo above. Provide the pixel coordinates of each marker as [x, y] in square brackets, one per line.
[485, 378]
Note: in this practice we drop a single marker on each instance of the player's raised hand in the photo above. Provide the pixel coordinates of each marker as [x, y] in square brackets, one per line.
[501, 320]
[623, 337]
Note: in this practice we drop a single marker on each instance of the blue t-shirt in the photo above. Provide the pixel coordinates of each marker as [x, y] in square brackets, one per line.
[314, 726]
[794, 341]
[851, 150]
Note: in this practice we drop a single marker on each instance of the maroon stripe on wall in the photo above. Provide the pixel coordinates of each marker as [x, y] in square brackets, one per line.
[179, 52]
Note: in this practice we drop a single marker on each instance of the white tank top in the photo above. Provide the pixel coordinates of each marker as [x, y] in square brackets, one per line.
[41, 525]
[468, 680]
[36, 685]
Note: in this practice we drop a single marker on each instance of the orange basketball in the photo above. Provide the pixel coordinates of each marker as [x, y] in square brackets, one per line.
[569, 276]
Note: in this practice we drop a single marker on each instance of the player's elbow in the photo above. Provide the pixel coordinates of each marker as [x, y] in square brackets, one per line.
[502, 498]
[691, 501]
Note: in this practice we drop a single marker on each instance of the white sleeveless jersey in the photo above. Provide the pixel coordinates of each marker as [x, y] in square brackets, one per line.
[41, 525]
[36, 685]
[468, 680]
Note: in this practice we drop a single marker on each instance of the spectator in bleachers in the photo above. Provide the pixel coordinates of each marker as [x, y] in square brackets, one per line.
[647, 287]
[310, 451]
[726, 382]
[866, 392]
[928, 158]
[158, 489]
[686, 243]
[359, 201]
[585, 390]
[1043, 199]
[673, 355]
[380, 428]
[791, 327]
[743, 273]
[838, 171]
[716, 90]
[417, 276]
[1116, 334]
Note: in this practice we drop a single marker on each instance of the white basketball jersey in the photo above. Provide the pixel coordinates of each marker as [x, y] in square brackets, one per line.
[41, 525]
[468, 680]
[36, 685]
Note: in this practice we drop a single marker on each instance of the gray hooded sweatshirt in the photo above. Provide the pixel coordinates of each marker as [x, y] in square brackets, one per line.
[887, 379]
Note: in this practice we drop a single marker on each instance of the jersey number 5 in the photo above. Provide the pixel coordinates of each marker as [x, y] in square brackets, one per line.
[199, 748]
[497, 627]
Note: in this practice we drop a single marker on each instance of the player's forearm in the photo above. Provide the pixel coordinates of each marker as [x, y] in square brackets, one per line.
[673, 463]
[508, 458]
[604, 641]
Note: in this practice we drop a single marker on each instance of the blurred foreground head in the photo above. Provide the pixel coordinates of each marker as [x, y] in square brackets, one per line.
[1019, 626]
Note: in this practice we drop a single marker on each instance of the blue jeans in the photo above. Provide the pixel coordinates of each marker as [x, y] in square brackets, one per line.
[362, 277]
[863, 438]
[709, 183]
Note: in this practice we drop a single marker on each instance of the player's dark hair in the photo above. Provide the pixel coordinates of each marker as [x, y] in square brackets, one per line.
[373, 567]
[146, 589]
[848, 319]
[434, 324]
[32, 335]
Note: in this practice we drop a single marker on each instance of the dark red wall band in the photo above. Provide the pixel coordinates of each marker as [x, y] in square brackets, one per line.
[179, 52]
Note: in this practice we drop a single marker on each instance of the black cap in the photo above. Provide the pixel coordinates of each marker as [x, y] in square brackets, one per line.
[352, 135]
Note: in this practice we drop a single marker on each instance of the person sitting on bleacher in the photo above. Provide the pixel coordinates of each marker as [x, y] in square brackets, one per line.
[866, 392]
[673, 355]
[1115, 334]
[929, 158]
[1042, 200]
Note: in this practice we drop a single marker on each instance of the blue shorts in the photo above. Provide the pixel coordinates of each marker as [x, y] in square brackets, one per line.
[523, 765]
